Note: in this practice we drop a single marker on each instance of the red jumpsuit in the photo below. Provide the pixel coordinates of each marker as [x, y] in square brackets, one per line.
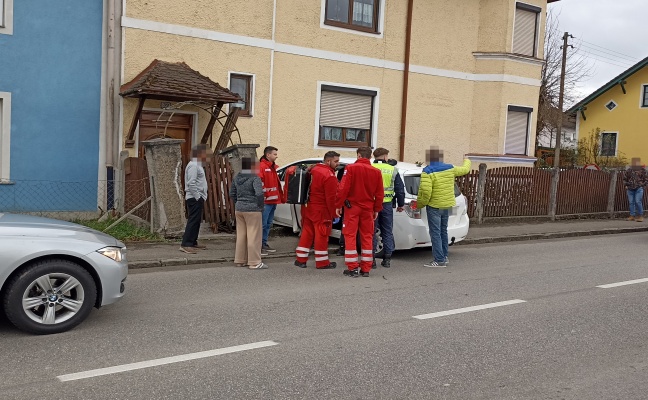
[362, 185]
[317, 215]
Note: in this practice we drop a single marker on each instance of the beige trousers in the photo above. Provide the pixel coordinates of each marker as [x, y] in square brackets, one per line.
[248, 238]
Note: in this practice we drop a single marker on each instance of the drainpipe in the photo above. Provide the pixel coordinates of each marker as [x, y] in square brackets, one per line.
[110, 103]
[408, 42]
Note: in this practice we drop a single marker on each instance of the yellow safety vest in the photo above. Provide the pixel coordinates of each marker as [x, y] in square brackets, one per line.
[389, 173]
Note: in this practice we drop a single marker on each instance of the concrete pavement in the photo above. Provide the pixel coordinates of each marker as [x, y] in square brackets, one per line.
[221, 246]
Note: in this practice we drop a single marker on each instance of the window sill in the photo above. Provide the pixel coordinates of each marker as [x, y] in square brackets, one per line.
[352, 28]
[502, 158]
[6, 182]
[509, 57]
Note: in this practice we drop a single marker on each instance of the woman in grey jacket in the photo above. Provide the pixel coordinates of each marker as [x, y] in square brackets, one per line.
[247, 193]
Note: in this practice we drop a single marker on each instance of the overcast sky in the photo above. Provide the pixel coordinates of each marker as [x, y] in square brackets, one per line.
[612, 34]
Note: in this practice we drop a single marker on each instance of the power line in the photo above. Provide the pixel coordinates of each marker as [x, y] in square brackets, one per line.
[598, 56]
[633, 60]
[587, 55]
[605, 48]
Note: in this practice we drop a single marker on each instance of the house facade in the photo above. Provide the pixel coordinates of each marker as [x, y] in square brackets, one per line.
[51, 106]
[620, 110]
[323, 75]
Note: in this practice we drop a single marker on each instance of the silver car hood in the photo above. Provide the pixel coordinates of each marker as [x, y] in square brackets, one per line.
[32, 226]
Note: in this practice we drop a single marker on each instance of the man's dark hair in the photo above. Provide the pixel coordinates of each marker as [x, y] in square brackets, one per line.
[269, 149]
[331, 154]
[365, 152]
[246, 163]
[380, 151]
[196, 150]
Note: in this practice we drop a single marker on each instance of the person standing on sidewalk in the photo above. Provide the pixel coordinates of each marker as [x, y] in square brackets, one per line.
[394, 192]
[436, 194]
[272, 192]
[318, 213]
[361, 192]
[195, 196]
[247, 193]
[634, 180]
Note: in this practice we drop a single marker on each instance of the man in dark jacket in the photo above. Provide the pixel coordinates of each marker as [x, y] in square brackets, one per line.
[318, 213]
[634, 180]
[394, 195]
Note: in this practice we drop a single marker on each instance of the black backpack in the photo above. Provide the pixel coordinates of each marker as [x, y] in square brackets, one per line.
[298, 186]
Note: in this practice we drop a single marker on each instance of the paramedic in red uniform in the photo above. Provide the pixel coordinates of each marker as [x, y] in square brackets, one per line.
[361, 192]
[318, 213]
[272, 194]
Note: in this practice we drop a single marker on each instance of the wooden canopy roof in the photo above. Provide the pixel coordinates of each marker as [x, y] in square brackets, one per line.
[163, 80]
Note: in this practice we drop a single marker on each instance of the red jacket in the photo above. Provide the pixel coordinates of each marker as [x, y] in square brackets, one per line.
[362, 185]
[272, 192]
[323, 188]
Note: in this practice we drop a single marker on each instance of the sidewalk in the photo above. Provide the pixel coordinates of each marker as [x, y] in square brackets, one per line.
[221, 246]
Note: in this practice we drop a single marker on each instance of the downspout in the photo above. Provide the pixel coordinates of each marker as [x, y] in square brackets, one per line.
[110, 102]
[408, 43]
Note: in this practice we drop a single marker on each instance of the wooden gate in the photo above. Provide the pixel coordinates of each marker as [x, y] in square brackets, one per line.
[219, 208]
[136, 187]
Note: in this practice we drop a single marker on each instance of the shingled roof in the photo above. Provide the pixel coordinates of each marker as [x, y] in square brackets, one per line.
[164, 80]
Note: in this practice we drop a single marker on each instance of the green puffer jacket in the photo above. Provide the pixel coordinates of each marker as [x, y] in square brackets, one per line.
[437, 184]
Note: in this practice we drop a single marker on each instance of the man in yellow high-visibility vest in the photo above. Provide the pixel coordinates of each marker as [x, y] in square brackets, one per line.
[394, 195]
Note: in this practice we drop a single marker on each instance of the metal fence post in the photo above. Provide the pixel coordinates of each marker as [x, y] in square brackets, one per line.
[612, 193]
[481, 186]
[553, 193]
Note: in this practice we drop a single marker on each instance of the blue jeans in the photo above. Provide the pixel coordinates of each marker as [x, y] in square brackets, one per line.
[438, 227]
[385, 222]
[635, 198]
[266, 220]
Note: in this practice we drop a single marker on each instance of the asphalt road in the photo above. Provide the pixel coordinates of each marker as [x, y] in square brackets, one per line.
[287, 333]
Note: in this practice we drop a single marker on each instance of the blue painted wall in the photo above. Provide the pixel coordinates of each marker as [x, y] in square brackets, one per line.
[52, 67]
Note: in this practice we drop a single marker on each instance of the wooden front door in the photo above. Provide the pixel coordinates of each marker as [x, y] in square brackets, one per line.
[156, 125]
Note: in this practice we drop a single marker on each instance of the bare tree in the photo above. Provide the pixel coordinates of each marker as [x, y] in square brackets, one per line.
[576, 71]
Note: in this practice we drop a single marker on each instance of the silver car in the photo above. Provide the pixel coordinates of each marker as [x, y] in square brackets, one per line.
[53, 272]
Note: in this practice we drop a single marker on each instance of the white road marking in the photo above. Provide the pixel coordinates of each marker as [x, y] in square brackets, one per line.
[162, 361]
[468, 309]
[611, 285]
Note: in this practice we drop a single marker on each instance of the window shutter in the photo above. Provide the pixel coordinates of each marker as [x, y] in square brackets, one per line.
[345, 110]
[524, 32]
[516, 132]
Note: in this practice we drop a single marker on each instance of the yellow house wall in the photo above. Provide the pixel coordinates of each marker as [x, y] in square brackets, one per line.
[628, 118]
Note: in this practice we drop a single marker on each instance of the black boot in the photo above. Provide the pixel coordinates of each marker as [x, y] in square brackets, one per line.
[340, 251]
[352, 273]
[300, 264]
[386, 262]
[331, 265]
[373, 264]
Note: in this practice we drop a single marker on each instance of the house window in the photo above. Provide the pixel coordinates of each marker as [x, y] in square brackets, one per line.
[6, 17]
[242, 85]
[345, 117]
[611, 105]
[525, 31]
[5, 143]
[517, 130]
[644, 96]
[609, 144]
[361, 15]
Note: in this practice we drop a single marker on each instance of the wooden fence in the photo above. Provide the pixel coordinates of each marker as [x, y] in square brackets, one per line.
[522, 191]
[219, 208]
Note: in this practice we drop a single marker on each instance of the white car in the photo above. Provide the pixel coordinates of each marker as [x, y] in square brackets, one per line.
[410, 226]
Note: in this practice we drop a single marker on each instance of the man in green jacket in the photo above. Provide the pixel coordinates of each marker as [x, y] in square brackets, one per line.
[436, 194]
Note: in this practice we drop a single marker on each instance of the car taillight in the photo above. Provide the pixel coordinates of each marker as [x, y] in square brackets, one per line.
[412, 210]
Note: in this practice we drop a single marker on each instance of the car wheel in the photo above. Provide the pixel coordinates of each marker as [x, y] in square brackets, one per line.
[50, 296]
[380, 249]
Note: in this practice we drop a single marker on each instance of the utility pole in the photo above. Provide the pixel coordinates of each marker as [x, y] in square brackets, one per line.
[553, 193]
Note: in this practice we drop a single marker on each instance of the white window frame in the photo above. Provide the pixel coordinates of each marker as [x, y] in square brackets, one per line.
[7, 12]
[251, 99]
[613, 108]
[528, 7]
[381, 22]
[374, 114]
[644, 87]
[528, 133]
[5, 137]
[616, 144]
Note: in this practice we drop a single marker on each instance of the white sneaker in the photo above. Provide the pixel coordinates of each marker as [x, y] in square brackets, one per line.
[258, 266]
[434, 264]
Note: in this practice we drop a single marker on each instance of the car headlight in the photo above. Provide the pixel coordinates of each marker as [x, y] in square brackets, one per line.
[114, 253]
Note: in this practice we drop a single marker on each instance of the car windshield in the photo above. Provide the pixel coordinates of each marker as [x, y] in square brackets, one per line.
[412, 183]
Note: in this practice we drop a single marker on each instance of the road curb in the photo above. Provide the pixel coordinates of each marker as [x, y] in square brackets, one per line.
[170, 262]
